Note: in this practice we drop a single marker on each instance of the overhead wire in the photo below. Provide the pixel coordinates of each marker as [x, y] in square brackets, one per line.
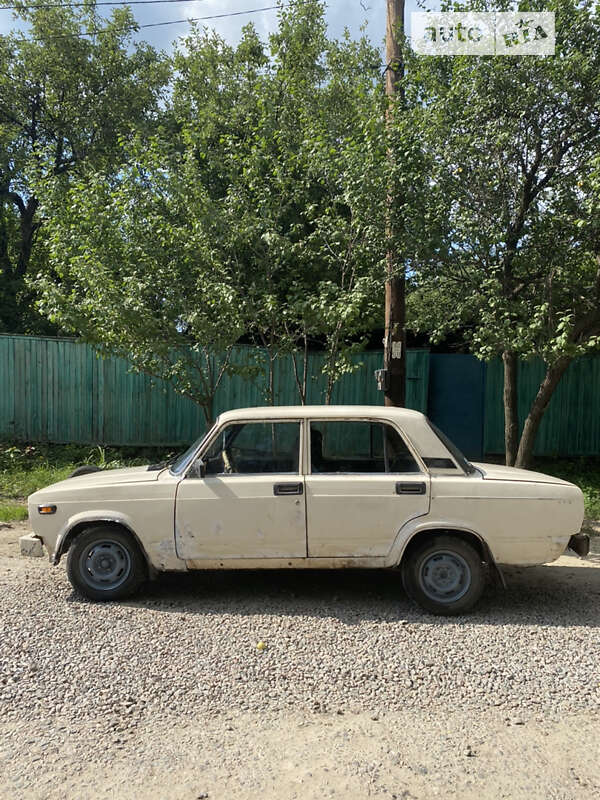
[40, 6]
[137, 26]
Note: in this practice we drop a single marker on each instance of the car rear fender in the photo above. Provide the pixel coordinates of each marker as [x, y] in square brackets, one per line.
[412, 534]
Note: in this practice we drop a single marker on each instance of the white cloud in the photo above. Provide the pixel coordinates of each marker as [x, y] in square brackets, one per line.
[229, 28]
[340, 14]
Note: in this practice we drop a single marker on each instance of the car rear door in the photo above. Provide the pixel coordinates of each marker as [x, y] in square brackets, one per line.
[363, 484]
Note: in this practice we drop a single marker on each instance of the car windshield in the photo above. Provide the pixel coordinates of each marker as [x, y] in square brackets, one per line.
[456, 454]
[182, 461]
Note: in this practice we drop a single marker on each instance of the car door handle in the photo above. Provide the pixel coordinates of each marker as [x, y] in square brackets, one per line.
[287, 488]
[411, 488]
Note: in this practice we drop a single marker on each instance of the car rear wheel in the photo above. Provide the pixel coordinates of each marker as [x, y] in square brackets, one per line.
[444, 575]
[105, 563]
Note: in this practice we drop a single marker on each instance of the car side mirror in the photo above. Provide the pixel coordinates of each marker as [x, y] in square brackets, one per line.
[198, 469]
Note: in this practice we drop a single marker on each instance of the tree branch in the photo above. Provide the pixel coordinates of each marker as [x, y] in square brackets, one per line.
[14, 198]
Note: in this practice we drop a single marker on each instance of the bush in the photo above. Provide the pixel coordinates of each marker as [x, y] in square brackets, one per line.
[25, 468]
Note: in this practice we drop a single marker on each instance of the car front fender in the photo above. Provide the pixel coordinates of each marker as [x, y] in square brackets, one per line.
[159, 552]
[79, 521]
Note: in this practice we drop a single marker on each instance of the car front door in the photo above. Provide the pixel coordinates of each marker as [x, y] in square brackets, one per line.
[364, 483]
[250, 502]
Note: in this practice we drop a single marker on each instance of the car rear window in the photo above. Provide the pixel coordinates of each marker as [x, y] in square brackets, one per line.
[456, 454]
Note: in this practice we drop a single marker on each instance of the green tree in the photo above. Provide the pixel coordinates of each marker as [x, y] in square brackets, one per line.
[511, 252]
[71, 88]
[287, 137]
[253, 211]
[134, 271]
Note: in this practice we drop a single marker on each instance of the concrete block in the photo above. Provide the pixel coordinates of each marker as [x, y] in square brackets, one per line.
[31, 546]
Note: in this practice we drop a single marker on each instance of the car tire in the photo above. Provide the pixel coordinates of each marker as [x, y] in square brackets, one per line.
[445, 575]
[105, 563]
[85, 469]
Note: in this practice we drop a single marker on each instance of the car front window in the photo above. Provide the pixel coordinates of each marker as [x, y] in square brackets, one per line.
[255, 448]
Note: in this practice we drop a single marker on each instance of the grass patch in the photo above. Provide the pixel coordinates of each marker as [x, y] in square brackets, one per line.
[21, 483]
[26, 468]
[583, 472]
[12, 512]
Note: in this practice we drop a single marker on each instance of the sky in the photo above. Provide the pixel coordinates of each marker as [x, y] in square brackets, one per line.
[340, 14]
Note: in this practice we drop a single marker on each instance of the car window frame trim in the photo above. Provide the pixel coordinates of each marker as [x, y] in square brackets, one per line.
[382, 420]
[219, 428]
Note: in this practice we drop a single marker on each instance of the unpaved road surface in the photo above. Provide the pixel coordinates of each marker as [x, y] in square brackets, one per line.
[357, 694]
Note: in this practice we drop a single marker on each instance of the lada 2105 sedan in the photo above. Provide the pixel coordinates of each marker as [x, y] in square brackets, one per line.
[317, 487]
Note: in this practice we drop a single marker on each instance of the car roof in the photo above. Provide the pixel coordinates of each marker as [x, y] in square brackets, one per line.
[304, 412]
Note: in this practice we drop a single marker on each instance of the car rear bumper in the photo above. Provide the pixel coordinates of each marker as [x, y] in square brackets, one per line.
[580, 544]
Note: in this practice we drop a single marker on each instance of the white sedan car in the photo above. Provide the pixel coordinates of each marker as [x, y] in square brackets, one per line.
[313, 487]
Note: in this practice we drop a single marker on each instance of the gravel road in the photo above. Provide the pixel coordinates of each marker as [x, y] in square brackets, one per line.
[357, 693]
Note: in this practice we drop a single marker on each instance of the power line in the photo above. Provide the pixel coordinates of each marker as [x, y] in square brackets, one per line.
[136, 27]
[200, 19]
[101, 3]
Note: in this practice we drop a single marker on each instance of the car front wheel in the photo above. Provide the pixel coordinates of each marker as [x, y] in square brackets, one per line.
[105, 563]
[445, 575]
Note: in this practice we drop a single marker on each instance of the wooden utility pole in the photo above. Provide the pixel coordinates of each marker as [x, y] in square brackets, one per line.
[394, 345]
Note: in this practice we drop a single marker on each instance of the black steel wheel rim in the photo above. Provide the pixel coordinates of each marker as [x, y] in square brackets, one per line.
[444, 576]
[105, 565]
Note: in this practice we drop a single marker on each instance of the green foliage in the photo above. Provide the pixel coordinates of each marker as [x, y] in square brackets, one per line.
[253, 205]
[12, 512]
[512, 252]
[66, 101]
[584, 473]
[26, 468]
[19, 483]
[255, 210]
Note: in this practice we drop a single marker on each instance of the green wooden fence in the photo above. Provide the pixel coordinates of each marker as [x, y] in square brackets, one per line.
[571, 424]
[59, 390]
